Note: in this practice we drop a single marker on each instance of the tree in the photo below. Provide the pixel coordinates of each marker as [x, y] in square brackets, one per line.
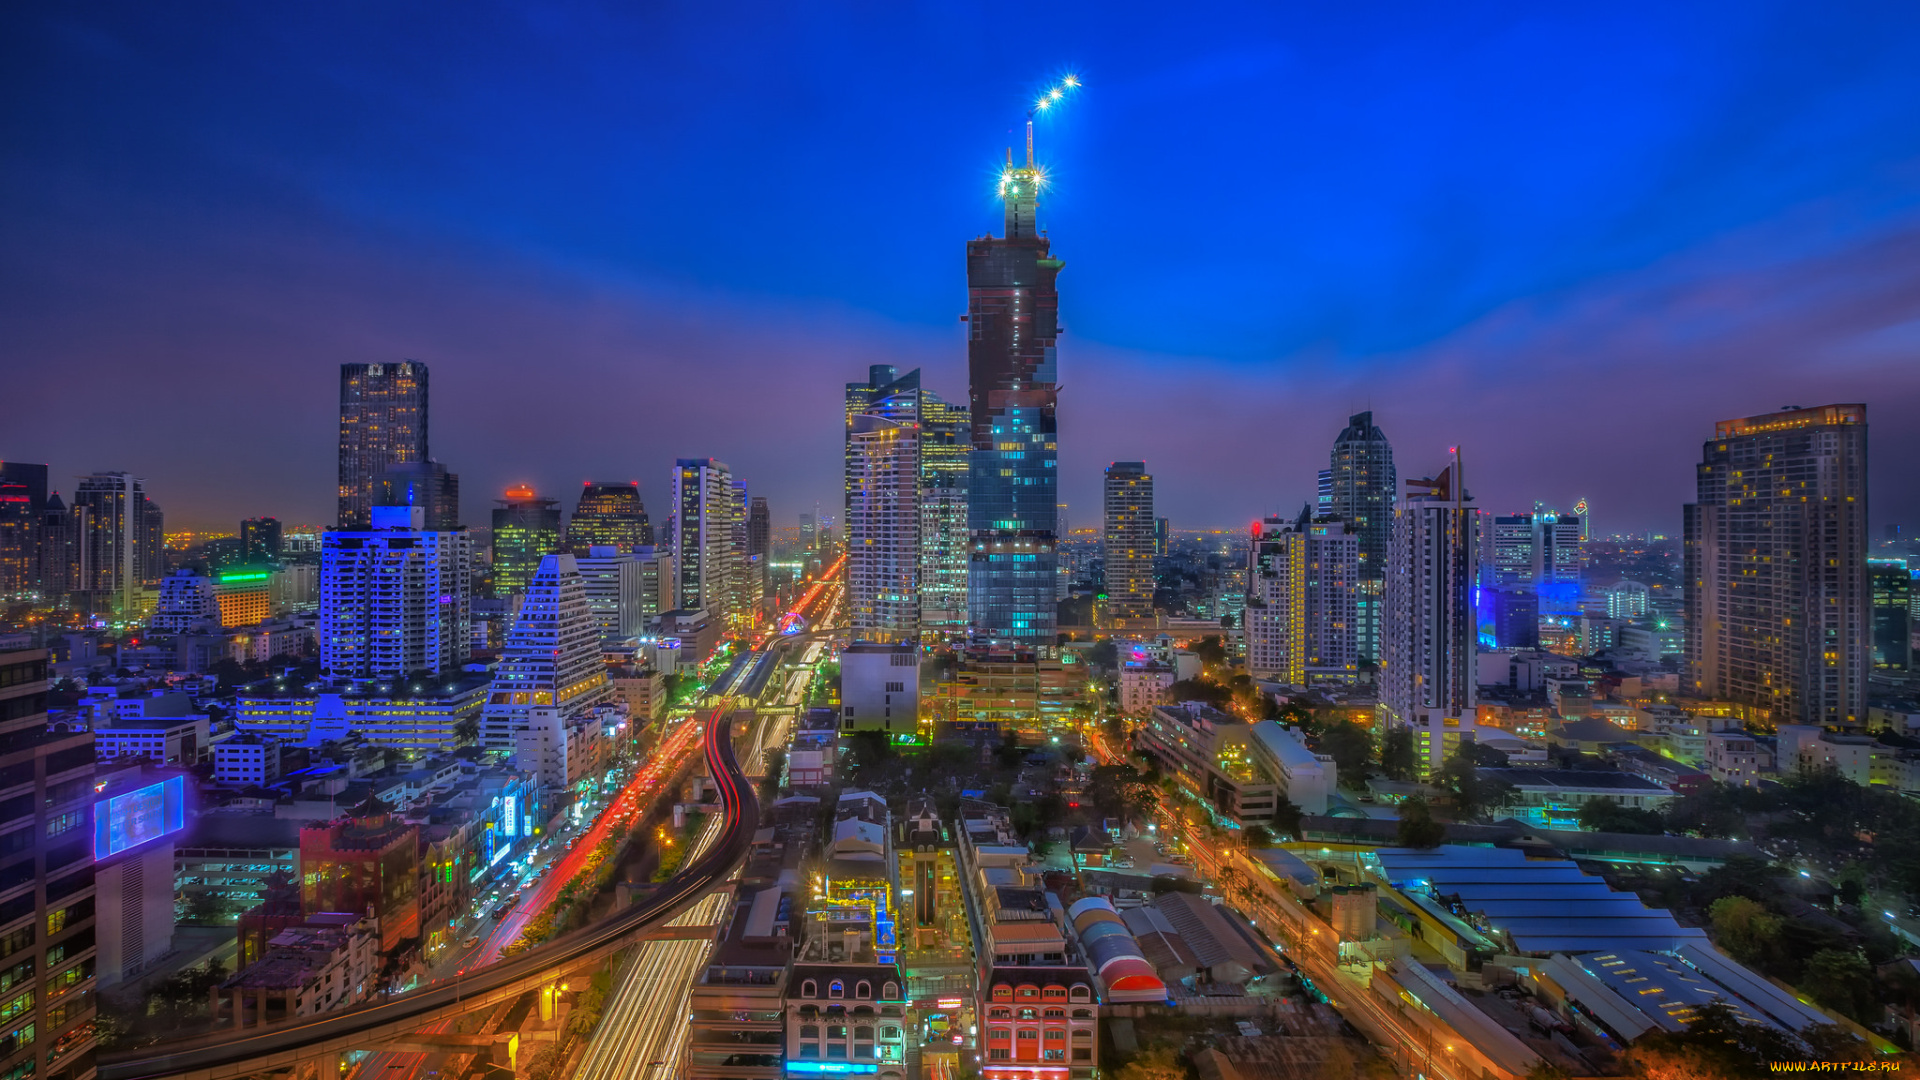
[1350, 746]
[1842, 980]
[1207, 693]
[1716, 1044]
[1154, 1063]
[1606, 815]
[1286, 818]
[1470, 793]
[1744, 926]
[1212, 654]
[1258, 836]
[1396, 754]
[1417, 827]
[1119, 791]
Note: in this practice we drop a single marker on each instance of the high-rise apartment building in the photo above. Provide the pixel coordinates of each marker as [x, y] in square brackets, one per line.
[1013, 321]
[1361, 488]
[426, 484]
[383, 422]
[883, 520]
[1302, 594]
[62, 531]
[1777, 599]
[552, 656]
[759, 527]
[615, 585]
[395, 598]
[259, 540]
[1127, 546]
[1430, 671]
[117, 551]
[1893, 593]
[705, 506]
[751, 583]
[526, 528]
[19, 542]
[47, 876]
[609, 514]
[659, 582]
[943, 444]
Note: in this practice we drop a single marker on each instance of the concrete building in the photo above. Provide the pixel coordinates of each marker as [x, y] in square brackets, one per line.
[396, 598]
[1210, 752]
[1143, 685]
[426, 717]
[609, 514]
[659, 583]
[880, 687]
[164, 740]
[883, 521]
[1778, 530]
[323, 964]
[227, 862]
[186, 601]
[119, 541]
[552, 655]
[1307, 780]
[526, 529]
[709, 564]
[1127, 546]
[561, 749]
[425, 484]
[134, 887]
[1430, 676]
[246, 760]
[1303, 598]
[615, 586]
[366, 861]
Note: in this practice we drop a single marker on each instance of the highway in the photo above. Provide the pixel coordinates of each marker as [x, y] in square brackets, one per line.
[244, 1052]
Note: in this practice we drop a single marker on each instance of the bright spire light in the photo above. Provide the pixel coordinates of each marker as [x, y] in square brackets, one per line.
[1071, 80]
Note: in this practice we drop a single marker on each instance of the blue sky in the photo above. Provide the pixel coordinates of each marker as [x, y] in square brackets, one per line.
[1567, 238]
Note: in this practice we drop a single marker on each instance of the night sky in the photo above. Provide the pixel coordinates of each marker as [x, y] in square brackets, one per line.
[1569, 240]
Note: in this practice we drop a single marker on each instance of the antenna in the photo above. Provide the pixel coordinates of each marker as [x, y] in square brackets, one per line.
[1029, 141]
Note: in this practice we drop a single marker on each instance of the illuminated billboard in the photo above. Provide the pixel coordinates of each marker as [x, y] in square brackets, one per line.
[125, 822]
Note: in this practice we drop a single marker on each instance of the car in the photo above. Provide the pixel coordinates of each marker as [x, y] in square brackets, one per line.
[472, 942]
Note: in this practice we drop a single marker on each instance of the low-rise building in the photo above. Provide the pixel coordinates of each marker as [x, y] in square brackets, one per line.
[246, 759]
[325, 963]
[1209, 751]
[428, 716]
[1306, 779]
[1143, 685]
[1552, 798]
[1734, 757]
[641, 688]
[227, 862]
[1001, 689]
[165, 729]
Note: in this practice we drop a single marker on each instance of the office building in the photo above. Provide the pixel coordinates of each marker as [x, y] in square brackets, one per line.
[526, 528]
[1013, 310]
[22, 502]
[396, 598]
[1362, 488]
[1892, 600]
[751, 584]
[428, 716]
[880, 687]
[935, 478]
[659, 583]
[615, 586]
[48, 877]
[426, 484]
[116, 553]
[1208, 752]
[705, 505]
[759, 527]
[883, 518]
[186, 600]
[1778, 607]
[609, 514]
[1323, 492]
[62, 531]
[1127, 546]
[1301, 616]
[552, 656]
[383, 422]
[1430, 672]
[808, 540]
[260, 540]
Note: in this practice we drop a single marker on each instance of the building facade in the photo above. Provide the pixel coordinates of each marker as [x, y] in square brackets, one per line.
[1303, 597]
[1127, 546]
[426, 484]
[1361, 488]
[883, 522]
[383, 422]
[1777, 595]
[552, 656]
[609, 514]
[708, 563]
[1013, 321]
[526, 528]
[118, 543]
[395, 598]
[1429, 677]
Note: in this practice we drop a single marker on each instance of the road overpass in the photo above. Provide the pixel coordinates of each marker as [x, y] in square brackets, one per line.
[311, 1045]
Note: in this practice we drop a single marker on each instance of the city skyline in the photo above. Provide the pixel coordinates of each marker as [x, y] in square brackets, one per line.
[1706, 283]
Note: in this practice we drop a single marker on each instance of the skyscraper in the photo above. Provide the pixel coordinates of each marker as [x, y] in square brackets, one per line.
[426, 484]
[704, 504]
[526, 528]
[115, 546]
[759, 527]
[23, 504]
[383, 422]
[883, 521]
[51, 873]
[1013, 310]
[609, 514]
[1127, 546]
[1892, 585]
[1429, 674]
[62, 529]
[1777, 599]
[1361, 490]
[1301, 595]
[552, 655]
[945, 447]
[395, 598]
[259, 540]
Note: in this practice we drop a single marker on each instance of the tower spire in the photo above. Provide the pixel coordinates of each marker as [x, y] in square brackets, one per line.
[1029, 140]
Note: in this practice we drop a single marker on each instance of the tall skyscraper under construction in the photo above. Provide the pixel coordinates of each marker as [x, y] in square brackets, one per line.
[1013, 311]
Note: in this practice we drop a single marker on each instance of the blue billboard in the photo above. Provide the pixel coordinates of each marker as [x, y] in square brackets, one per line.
[125, 822]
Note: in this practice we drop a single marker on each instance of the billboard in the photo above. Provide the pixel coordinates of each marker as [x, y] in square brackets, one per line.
[125, 822]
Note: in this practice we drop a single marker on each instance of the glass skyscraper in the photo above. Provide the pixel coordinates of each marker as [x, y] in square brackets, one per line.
[383, 422]
[609, 514]
[1361, 491]
[1013, 313]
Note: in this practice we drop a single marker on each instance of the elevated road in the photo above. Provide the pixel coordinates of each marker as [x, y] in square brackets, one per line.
[308, 1041]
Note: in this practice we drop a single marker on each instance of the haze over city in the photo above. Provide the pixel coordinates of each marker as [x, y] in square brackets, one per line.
[1569, 240]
